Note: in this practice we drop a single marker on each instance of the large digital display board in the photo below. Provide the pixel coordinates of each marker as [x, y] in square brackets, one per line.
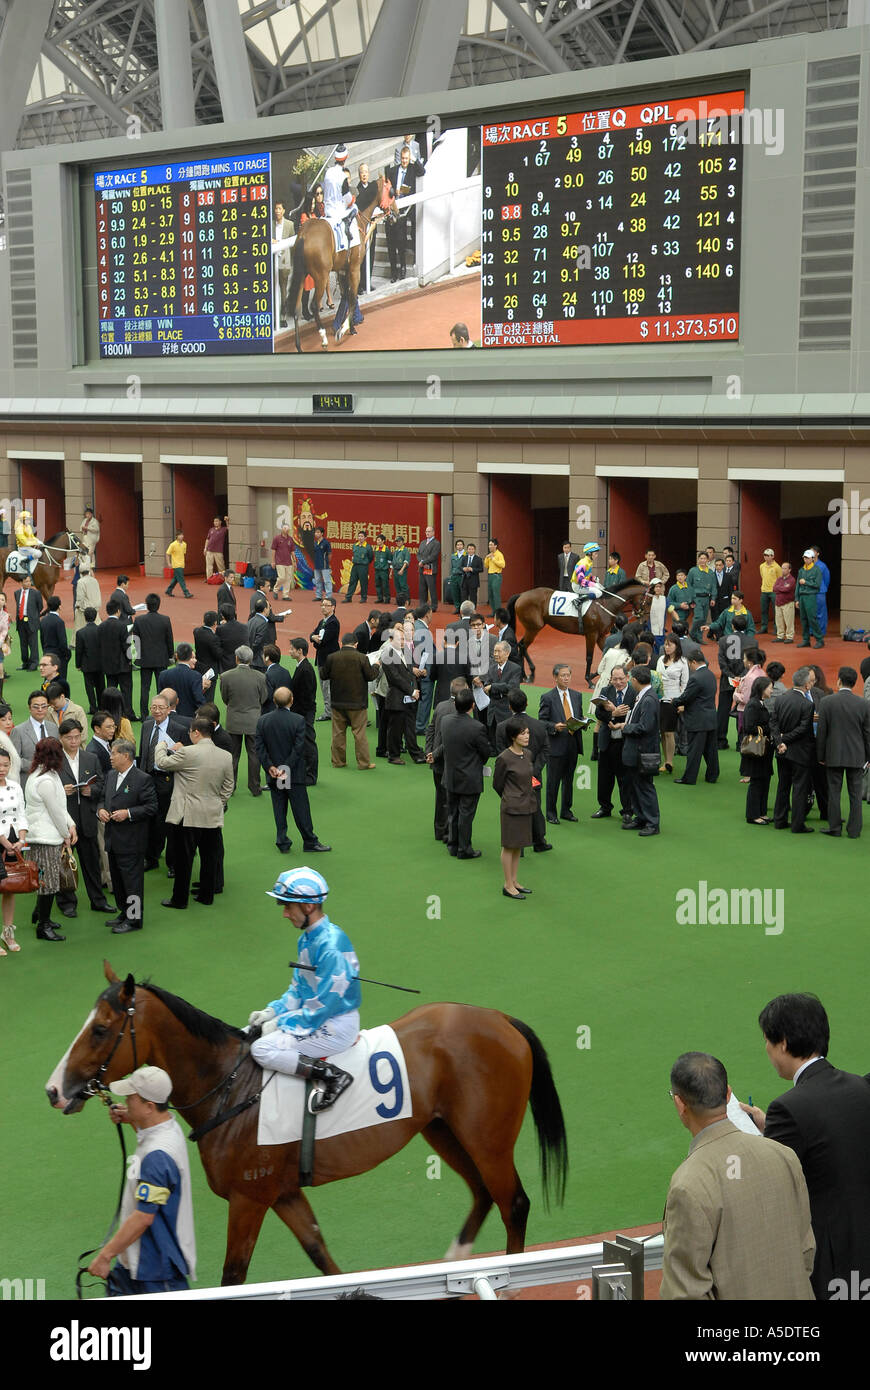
[615, 225]
[184, 264]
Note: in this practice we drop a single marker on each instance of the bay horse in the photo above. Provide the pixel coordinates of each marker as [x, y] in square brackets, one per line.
[314, 254]
[533, 610]
[472, 1073]
[48, 569]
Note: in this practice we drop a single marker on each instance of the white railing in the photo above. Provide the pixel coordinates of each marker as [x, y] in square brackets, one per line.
[483, 1275]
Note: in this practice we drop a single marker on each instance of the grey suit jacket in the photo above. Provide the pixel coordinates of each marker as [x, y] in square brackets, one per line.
[737, 1221]
[24, 741]
[244, 692]
[201, 786]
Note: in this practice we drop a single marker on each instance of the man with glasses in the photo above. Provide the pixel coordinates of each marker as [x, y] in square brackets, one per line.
[40, 724]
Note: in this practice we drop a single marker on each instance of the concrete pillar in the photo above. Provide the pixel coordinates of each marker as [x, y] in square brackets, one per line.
[587, 500]
[718, 498]
[470, 498]
[241, 505]
[77, 484]
[174, 64]
[855, 592]
[156, 493]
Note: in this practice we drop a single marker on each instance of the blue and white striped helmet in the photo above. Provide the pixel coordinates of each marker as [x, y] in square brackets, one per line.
[302, 885]
[591, 548]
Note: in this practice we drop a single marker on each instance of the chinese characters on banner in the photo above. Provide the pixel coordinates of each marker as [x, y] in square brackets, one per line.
[343, 514]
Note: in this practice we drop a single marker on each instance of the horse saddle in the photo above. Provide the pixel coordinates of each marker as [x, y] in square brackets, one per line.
[20, 564]
[567, 605]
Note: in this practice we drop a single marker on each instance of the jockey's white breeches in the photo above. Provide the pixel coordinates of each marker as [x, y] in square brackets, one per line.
[280, 1050]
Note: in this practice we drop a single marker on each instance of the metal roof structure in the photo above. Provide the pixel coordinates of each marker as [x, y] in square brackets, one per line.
[74, 70]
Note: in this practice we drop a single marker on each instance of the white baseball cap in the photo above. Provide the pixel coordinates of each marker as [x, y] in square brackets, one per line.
[770, 552]
[809, 554]
[151, 1083]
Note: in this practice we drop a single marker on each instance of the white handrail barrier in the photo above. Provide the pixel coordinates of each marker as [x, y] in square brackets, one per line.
[445, 1279]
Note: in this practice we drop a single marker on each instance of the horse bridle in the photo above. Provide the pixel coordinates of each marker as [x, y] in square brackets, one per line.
[50, 550]
[96, 1086]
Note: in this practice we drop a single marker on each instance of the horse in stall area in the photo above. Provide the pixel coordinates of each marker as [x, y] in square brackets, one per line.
[472, 1072]
[533, 610]
[314, 254]
[48, 569]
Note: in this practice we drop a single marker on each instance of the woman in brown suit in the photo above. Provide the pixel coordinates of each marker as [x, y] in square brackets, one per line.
[512, 780]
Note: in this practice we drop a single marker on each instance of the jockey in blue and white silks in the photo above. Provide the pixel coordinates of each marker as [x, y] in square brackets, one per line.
[320, 1009]
[339, 204]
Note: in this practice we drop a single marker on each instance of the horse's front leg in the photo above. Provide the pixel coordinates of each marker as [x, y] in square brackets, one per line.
[243, 1227]
[295, 1212]
[320, 286]
[590, 650]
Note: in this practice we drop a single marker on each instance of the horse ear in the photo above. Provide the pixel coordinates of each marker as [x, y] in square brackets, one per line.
[109, 973]
[128, 989]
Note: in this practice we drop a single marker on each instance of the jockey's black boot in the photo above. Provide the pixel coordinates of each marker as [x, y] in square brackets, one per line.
[335, 1081]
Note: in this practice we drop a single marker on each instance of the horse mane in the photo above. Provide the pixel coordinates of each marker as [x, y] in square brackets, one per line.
[616, 588]
[196, 1021]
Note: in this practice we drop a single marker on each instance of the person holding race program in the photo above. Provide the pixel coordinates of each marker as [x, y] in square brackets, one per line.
[320, 1009]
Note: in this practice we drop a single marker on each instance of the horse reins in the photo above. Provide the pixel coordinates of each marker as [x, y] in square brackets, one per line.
[224, 1087]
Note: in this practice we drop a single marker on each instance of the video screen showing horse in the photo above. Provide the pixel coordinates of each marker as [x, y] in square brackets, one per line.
[412, 264]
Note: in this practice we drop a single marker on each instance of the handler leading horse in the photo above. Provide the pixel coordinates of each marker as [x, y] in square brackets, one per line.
[535, 611]
[472, 1072]
[314, 254]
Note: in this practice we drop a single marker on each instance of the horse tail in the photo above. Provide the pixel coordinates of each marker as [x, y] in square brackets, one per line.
[548, 1118]
[512, 610]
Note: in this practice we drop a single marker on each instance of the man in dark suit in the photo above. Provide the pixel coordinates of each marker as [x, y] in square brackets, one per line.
[79, 766]
[304, 688]
[275, 673]
[115, 652]
[697, 704]
[366, 635]
[791, 728]
[556, 707]
[401, 698]
[825, 1118]
[843, 746]
[186, 681]
[723, 589]
[261, 631]
[226, 596]
[567, 561]
[129, 801]
[402, 230]
[103, 726]
[280, 744]
[154, 648]
[206, 647]
[443, 710]
[539, 747]
[463, 746]
[471, 572]
[641, 733]
[162, 725]
[89, 660]
[732, 645]
[231, 635]
[502, 677]
[52, 635]
[617, 699]
[325, 639]
[122, 598]
[28, 606]
[505, 633]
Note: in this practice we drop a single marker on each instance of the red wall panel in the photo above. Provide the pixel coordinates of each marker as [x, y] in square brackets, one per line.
[116, 506]
[760, 527]
[194, 510]
[42, 494]
[628, 523]
[511, 522]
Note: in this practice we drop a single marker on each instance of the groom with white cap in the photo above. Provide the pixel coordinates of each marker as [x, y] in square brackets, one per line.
[155, 1241]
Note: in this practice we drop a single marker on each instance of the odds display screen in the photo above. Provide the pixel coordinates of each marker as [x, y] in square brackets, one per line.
[620, 225]
[184, 263]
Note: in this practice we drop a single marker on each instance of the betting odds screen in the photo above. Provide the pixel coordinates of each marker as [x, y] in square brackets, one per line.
[184, 261]
[614, 226]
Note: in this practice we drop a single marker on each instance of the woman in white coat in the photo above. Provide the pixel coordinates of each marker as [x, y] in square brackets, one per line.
[50, 828]
[7, 724]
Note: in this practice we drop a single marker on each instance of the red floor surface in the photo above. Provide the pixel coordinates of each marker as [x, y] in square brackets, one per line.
[550, 646]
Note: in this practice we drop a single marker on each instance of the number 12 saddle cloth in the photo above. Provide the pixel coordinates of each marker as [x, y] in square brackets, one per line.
[380, 1092]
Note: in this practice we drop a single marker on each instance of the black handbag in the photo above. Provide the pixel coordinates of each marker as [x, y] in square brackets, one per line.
[649, 764]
